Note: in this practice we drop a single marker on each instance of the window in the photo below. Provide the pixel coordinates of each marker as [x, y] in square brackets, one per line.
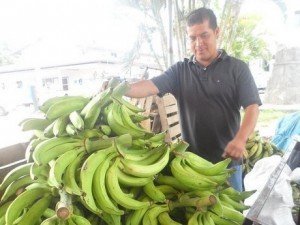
[50, 83]
[65, 83]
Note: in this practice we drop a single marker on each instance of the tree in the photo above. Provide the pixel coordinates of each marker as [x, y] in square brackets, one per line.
[249, 44]
[155, 22]
[228, 22]
[236, 32]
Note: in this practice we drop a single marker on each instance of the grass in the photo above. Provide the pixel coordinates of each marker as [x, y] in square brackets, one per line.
[268, 119]
[270, 115]
[267, 116]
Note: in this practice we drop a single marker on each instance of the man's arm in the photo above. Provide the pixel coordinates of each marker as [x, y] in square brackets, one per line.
[142, 89]
[235, 148]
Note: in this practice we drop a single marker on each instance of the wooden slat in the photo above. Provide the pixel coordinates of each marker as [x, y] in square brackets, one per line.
[163, 117]
[162, 113]
[174, 131]
[173, 119]
[171, 109]
[168, 113]
[147, 107]
[134, 101]
[169, 100]
[141, 103]
[144, 103]
[156, 124]
[148, 104]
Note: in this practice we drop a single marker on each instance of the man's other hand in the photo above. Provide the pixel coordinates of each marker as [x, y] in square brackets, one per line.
[234, 149]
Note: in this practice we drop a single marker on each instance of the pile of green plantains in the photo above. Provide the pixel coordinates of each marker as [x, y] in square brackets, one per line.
[90, 162]
[257, 148]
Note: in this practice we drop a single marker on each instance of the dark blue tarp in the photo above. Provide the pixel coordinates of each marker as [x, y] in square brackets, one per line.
[286, 128]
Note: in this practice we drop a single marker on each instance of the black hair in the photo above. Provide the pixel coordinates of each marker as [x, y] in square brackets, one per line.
[200, 15]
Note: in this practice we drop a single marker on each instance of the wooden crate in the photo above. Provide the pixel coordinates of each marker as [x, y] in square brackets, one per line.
[163, 115]
[146, 104]
[169, 116]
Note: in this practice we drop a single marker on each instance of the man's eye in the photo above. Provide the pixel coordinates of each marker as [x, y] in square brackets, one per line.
[192, 38]
[204, 36]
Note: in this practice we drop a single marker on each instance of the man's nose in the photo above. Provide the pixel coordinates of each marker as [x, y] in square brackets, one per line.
[198, 42]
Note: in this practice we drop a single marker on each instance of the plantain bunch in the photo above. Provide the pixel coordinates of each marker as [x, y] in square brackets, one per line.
[257, 148]
[296, 199]
[90, 162]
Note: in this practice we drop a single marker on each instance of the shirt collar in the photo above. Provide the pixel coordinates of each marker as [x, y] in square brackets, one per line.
[222, 55]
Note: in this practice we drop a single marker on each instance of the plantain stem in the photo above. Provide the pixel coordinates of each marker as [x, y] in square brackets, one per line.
[197, 202]
[120, 90]
[179, 148]
[206, 201]
[64, 206]
[92, 146]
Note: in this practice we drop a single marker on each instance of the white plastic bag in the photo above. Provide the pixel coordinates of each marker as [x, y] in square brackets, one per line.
[277, 209]
[295, 175]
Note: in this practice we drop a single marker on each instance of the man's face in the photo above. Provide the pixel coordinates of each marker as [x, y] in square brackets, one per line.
[203, 42]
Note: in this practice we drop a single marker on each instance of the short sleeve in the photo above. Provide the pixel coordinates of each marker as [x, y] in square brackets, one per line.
[247, 90]
[168, 81]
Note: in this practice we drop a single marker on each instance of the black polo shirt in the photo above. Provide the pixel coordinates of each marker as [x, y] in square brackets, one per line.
[209, 101]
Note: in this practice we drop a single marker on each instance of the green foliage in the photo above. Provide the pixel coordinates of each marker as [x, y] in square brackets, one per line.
[240, 38]
[248, 43]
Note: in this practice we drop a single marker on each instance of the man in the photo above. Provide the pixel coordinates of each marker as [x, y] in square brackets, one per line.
[210, 89]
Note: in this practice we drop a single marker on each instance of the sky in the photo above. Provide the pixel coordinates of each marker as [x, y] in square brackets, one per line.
[281, 31]
[24, 21]
[58, 27]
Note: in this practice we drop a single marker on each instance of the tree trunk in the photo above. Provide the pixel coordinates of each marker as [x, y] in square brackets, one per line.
[179, 33]
[156, 7]
[228, 23]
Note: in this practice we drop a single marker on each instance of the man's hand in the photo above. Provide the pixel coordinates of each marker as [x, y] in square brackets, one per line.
[236, 146]
[104, 85]
[234, 149]
[112, 83]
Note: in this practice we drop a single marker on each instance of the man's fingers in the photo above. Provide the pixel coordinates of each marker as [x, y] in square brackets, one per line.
[104, 85]
[225, 155]
[235, 155]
